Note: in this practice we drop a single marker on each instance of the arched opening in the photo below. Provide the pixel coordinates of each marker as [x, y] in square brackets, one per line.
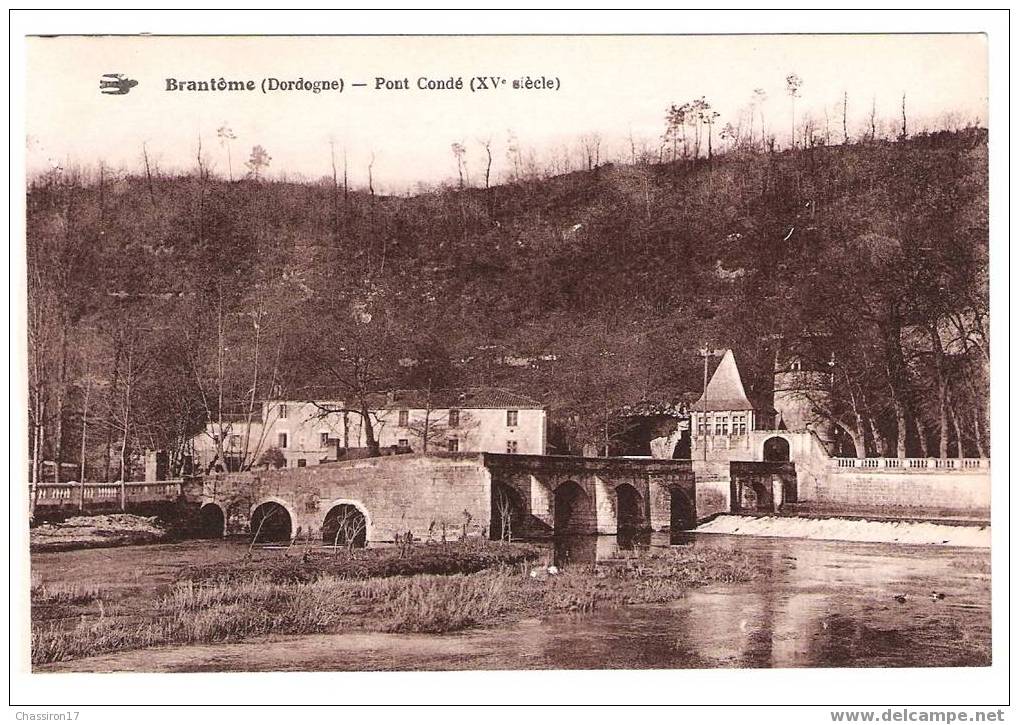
[629, 509]
[345, 525]
[507, 514]
[682, 512]
[270, 522]
[683, 448]
[572, 510]
[211, 522]
[776, 449]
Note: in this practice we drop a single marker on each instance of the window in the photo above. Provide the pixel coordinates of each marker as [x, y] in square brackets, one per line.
[739, 424]
[283, 439]
[454, 418]
[722, 425]
[283, 411]
[403, 443]
[511, 446]
[511, 418]
[453, 445]
[404, 418]
[323, 440]
[301, 463]
[235, 441]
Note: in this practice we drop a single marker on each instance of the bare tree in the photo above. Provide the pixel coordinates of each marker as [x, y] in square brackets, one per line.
[459, 153]
[350, 526]
[591, 144]
[505, 507]
[760, 96]
[792, 86]
[226, 135]
[902, 133]
[845, 110]
[487, 145]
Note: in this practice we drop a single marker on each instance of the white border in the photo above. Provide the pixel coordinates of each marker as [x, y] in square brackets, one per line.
[838, 686]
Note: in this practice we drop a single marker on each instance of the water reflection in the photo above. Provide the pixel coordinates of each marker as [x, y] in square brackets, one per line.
[813, 604]
[586, 549]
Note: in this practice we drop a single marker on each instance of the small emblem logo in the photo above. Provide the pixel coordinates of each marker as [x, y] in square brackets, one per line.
[116, 84]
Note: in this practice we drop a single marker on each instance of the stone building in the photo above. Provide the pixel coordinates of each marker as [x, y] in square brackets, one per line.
[799, 388]
[723, 417]
[315, 427]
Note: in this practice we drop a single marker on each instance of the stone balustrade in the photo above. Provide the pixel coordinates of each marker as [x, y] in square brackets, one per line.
[134, 491]
[925, 465]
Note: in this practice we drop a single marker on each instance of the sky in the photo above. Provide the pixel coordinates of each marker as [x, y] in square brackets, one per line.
[614, 86]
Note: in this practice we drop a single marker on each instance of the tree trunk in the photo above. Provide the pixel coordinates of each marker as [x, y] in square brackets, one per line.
[942, 387]
[921, 431]
[111, 409]
[882, 447]
[856, 435]
[369, 432]
[845, 107]
[243, 466]
[901, 423]
[127, 418]
[58, 442]
[84, 427]
[976, 434]
[898, 377]
[40, 431]
[958, 435]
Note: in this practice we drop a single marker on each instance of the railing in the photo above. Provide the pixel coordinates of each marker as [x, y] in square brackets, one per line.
[914, 464]
[131, 491]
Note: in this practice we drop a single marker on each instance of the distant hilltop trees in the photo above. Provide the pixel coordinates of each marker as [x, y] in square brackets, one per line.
[155, 299]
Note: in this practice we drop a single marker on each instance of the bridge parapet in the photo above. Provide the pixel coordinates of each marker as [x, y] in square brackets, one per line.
[102, 496]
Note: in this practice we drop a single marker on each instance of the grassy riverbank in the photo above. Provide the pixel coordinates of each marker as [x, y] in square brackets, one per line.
[433, 588]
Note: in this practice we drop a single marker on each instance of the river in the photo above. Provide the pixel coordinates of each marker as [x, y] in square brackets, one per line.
[816, 604]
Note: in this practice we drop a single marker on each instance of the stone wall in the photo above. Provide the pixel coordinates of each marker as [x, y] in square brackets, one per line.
[396, 494]
[922, 491]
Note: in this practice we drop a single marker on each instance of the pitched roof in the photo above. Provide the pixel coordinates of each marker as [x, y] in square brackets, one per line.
[472, 397]
[480, 397]
[725, 389]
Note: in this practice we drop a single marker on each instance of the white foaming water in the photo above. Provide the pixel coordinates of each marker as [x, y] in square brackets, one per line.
[901, 532]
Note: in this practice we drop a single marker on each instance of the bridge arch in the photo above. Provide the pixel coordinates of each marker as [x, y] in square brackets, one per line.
[272, 519]
[211, 521]
[775, 449]
[347, 519]
[629, 509]
[573, 510]
[682, 510]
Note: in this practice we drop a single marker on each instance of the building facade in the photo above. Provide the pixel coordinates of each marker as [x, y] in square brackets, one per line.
[723, 418]
[299, 431]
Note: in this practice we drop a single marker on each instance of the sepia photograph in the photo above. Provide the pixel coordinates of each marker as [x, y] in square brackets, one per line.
[569, 352]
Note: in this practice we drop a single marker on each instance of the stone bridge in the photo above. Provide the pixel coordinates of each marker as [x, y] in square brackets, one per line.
[451, 495]
[566, 494]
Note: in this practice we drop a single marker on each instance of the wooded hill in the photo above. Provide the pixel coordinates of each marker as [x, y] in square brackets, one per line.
[157, 301]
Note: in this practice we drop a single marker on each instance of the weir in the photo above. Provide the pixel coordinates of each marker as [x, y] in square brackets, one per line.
[444, 496]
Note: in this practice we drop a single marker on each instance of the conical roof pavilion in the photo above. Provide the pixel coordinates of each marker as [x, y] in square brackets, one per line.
[725, 389]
